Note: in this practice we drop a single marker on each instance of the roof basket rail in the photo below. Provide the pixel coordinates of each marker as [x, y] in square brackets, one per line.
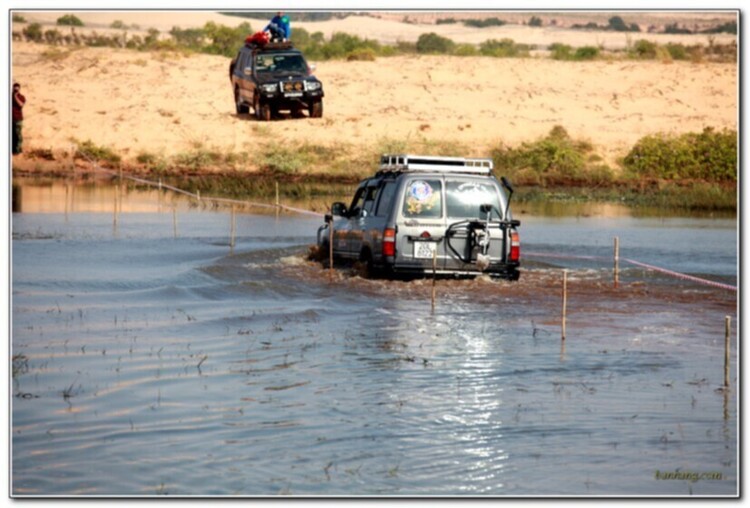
[269, 45]
[390, 163]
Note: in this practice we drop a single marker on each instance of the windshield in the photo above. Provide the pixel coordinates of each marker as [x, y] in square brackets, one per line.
[463, 198]
[280, 63]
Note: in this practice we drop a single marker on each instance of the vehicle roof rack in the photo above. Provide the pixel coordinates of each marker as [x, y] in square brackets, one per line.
[270, 45]
[390, 163]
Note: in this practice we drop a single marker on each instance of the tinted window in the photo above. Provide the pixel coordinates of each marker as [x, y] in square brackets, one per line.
[463, 198]
[386, 198]
[357, 202]
[423, 198]
[370, 196]
[277, 62]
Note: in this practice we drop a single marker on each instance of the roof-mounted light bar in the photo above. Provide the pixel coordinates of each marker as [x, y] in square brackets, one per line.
[407, 163]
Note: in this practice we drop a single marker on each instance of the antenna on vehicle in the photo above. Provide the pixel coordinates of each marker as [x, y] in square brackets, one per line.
[508, 186]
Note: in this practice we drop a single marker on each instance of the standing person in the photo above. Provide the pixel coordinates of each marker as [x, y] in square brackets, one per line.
[18, 102]
[279, 27]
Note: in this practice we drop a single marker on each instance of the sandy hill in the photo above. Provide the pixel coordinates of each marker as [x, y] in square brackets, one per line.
[165, 104]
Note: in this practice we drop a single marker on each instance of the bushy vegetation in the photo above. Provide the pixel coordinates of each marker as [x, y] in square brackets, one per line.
[710, 155]
[484, 23]
[69, 20]
[729, 28]
[504, 48]
[17, 18]
[535, 21]
[556, 159]
[616, 24]
[89, 151]
[560, 51]
[434, 43]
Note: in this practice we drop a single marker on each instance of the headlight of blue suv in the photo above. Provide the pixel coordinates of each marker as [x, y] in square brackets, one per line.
[312, 85]
[268, 88]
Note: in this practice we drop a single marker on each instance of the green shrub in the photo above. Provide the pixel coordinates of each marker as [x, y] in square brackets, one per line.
[283, 159]
[677, 51]
[223, 40]
[434, 43]
[535, 21]
[709, 155]
[198, 158]
[118, 25]
[553, 160]
[446, 21]
[33, 32]
[729, 27]
[586, 53]
[89, 151]
[361, 54]
[465, 50]
[484, 23]
[559, 51]
[503, 48]
[644, 49]
[17, 18]
[69, 20]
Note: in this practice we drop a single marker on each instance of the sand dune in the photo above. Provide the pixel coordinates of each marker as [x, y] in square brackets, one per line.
[148, 102]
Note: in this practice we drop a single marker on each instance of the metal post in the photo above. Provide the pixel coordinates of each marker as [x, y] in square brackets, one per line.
[727, 333]
[617, 261]
[232, 227]
[564, 301]
[330, 249]
[434, 268]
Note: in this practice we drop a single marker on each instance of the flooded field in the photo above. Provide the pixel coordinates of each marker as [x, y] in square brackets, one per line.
[152, 357]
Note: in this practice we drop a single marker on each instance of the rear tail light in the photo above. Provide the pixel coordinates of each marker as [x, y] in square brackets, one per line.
[515, 246]
[389, 242]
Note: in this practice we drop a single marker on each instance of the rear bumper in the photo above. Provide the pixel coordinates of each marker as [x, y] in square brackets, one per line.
[505, 270]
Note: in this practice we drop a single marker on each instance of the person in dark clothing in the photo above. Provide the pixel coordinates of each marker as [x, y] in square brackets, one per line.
[18, 102]
[279, 27]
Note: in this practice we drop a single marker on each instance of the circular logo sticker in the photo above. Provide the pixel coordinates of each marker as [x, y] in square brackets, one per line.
[420, 190]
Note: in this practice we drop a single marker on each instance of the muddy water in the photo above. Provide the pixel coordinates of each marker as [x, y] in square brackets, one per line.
[152, 358]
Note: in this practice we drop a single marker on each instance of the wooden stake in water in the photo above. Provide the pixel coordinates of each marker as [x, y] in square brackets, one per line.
[330, 249]
[277, 195]
[564, 301]
[727, 333]
[617, 261]
[232, 229]
[434, 269]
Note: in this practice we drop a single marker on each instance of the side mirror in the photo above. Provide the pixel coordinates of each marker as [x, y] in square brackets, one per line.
[338, 209]
[485, 208]
[248, 71]
[328, 218]
[312, 68]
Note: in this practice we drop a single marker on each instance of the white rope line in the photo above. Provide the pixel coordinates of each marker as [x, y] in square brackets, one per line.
[637, 263]
[198, 196]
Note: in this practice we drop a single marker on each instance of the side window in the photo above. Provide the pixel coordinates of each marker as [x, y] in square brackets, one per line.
[244, 61]
[424, 198]
[371, 195]
[386, 199]
[357, 202]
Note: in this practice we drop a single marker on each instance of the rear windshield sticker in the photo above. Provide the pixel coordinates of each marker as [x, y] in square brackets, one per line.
[421, 198]
[420, 190]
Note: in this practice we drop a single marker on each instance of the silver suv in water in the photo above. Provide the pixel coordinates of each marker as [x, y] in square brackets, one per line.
[419, 211]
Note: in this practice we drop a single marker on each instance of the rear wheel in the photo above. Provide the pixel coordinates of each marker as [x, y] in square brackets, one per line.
[316, 109]
[240, 107]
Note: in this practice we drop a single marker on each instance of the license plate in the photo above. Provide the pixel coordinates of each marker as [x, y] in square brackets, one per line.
[293, 94]
[424, 250]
